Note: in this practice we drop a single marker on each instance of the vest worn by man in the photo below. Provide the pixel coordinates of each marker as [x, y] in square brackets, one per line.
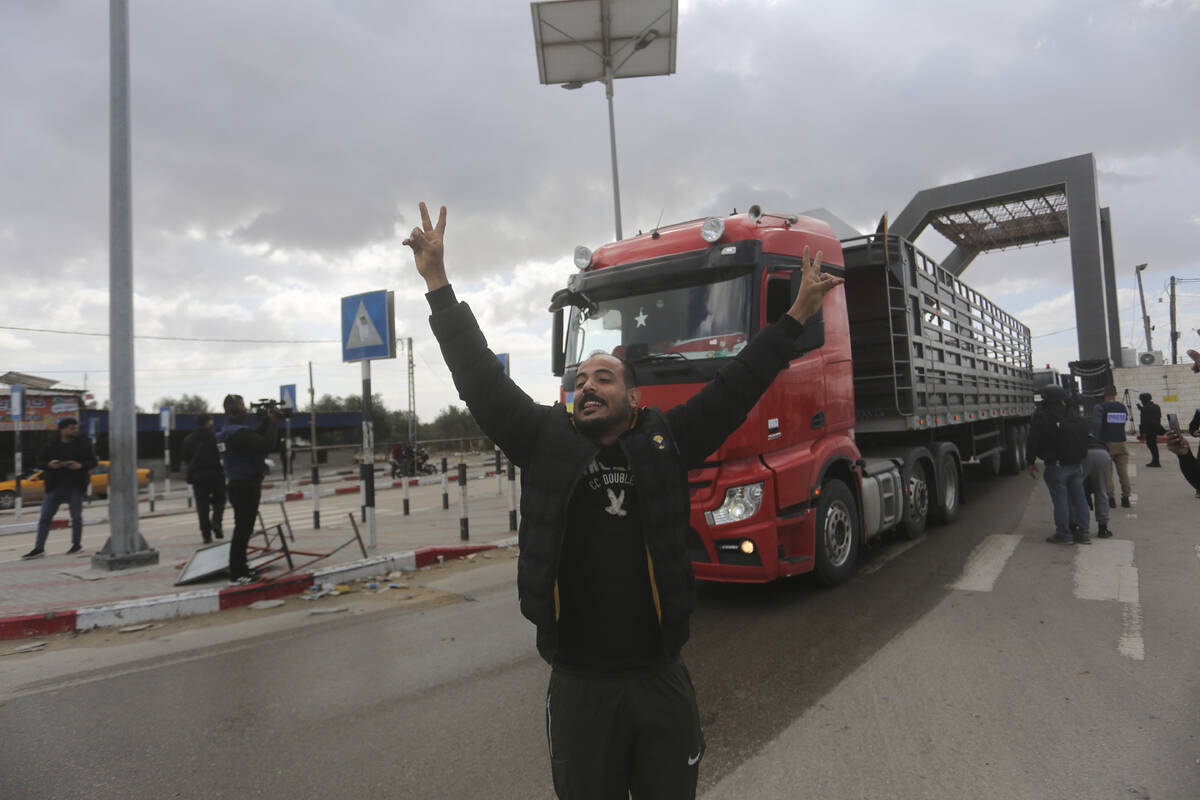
[1112, 416]
[239, 466]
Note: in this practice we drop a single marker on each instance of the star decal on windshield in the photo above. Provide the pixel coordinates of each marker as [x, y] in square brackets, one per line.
[641, 318]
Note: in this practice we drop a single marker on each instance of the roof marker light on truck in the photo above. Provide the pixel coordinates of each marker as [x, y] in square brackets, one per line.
[712, 230]
[583, 257]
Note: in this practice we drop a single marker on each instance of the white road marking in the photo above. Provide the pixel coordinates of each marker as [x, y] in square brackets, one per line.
[895, 553]
[986, 563]
[1105, 571]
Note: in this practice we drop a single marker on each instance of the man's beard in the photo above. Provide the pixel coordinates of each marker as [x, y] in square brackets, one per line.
[596, 427]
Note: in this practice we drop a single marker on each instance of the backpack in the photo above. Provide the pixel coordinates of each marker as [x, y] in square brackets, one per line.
[1071, 444]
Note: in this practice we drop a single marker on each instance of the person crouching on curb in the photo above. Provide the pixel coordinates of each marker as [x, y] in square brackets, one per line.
[604, 572]
[1060, 440]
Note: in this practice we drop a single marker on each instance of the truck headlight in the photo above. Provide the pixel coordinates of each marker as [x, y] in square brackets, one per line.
[741, 502]
[583, 257]
[712, 230]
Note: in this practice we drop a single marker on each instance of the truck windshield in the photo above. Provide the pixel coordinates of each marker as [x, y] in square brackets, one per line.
[707, 321]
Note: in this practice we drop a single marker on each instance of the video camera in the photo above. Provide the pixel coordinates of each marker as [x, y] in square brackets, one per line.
[267, 406]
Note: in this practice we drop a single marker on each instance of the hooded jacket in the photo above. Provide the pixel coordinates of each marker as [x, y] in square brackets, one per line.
[660, 448]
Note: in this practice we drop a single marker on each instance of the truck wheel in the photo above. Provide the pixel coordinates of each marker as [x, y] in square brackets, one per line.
[836, 533]
[916, 501]
[946, 509]
[8, 499]
[1014, 450]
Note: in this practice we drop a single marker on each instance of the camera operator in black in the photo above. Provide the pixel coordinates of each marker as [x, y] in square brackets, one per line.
[206, 476]
[244, 451]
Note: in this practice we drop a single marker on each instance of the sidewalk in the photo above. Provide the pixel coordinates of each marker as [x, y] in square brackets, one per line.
[61, 593]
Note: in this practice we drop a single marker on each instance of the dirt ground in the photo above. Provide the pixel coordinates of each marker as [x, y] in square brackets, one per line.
[408, 590]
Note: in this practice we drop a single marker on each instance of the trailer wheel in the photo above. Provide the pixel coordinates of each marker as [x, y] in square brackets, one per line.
[916, 501]
[836, 533]
[1014, 450]
[949, 496]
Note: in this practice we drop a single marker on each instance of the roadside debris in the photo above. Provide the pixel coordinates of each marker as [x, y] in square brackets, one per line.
[135, 628]
[25, 648]
[265, 604]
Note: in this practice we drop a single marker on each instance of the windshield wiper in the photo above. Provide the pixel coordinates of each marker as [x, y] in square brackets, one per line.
[661, 358]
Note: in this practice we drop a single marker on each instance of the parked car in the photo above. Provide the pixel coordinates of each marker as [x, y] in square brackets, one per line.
[33, 487]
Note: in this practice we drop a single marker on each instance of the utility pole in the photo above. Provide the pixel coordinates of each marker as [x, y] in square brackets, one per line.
[125, 546]
[1174, 330]
[1145, 316]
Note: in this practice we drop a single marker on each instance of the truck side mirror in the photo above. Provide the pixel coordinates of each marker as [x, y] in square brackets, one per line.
[558, 350]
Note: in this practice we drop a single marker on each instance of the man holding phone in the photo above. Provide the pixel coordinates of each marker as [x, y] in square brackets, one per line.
[1177, 445]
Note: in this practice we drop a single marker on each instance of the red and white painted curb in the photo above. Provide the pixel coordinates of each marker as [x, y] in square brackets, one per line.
[206, 601]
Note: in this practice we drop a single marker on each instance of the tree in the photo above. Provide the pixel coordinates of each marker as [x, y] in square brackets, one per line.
[186, 404]
[452, 423]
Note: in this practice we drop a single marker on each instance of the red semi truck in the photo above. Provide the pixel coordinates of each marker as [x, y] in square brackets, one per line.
[907, 376]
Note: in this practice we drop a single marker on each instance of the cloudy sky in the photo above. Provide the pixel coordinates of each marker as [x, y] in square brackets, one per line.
[280, 148]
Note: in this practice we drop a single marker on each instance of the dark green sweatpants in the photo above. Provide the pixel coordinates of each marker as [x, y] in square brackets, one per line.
[631, 732]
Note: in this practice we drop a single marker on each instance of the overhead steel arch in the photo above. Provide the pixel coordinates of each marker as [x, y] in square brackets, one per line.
[1041, 203]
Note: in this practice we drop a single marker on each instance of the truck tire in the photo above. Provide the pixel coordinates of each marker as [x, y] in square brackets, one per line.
[836, 533]
[1014, 450]
[949, 493]
[916, 500]
[8, 499]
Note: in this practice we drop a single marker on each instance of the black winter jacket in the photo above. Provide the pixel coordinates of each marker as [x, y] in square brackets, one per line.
[78, 449]
[660, 448]
[201, 456]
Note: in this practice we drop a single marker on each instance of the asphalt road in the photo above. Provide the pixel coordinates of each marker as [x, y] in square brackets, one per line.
[804, 691]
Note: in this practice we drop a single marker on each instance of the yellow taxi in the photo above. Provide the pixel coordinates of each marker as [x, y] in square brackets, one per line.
[33, 488]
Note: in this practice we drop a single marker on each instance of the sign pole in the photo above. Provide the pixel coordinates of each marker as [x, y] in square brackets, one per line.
[316, 474]
[166, 414]
[368, 331]
[17, 401]
[287, 399]
[367, 469]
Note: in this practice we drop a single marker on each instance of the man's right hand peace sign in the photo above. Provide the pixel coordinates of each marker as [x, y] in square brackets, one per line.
[428, 251]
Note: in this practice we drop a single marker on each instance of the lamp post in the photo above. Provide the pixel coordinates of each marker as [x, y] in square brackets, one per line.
[1145, 316]
[642, 43]
[583, 41]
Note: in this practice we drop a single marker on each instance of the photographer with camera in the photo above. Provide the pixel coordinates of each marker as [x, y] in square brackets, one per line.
[244, 452]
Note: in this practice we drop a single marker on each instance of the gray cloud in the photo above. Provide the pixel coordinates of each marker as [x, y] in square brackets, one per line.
[292, 141]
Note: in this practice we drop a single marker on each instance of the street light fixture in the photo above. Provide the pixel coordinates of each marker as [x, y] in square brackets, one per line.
[580, 41]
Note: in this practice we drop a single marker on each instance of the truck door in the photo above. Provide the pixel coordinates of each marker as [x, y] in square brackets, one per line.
[793, 410]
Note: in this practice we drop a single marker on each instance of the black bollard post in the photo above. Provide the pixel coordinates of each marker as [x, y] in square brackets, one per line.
[512, 495]
[445, 487]
[463, 526]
